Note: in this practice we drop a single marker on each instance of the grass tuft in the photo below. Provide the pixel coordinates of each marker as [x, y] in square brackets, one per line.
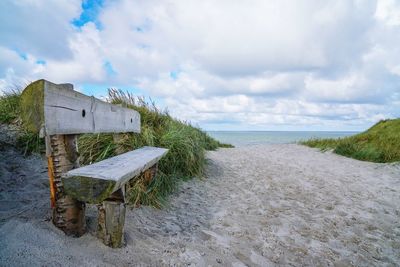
[380, 143]
[10, 114]
[9, 106]
[187, 144]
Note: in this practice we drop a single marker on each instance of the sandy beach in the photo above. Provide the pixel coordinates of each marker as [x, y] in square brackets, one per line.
[256, 206]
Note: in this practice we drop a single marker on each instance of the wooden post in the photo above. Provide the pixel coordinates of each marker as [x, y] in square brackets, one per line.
[119, 140]
[149, 174]
[68, 213]
[111, 220]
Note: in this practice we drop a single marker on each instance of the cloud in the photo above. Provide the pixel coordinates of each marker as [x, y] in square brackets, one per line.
[40, 28]
[389, 12]
[87, 62]
[254, 64]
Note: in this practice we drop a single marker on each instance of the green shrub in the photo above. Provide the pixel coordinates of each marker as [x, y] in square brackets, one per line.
[9, 106]
[9, 113]
[30, 142]
[380, 143]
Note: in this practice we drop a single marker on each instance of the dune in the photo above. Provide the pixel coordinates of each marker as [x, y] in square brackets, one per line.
[259, 205]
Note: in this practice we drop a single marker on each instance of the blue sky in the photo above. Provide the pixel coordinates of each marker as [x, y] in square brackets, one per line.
[223, 65]
[89, 13]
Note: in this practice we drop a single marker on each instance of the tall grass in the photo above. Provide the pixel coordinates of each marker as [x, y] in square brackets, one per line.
[9, 106]
[187, 145]
[380, 143]
[9, 114]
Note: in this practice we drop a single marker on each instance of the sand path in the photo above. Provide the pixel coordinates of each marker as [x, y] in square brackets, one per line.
[258, 206]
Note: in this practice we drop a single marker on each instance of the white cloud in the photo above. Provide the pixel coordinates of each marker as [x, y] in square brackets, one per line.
[38, 27]
[87, 61]
[388, 11]
[258, 63]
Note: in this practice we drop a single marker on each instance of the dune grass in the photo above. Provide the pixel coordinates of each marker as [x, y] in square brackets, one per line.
[380, 143]
[9, 106]
[187, 145]
[9, 114]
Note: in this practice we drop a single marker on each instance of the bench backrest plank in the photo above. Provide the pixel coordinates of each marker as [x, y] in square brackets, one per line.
[61, 110]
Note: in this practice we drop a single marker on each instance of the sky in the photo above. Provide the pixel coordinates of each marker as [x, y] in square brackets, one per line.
[221, 65]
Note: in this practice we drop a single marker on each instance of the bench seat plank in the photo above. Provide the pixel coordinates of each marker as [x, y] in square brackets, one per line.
[94, 183]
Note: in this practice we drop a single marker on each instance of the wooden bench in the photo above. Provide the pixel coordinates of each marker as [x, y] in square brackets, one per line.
[59, 114]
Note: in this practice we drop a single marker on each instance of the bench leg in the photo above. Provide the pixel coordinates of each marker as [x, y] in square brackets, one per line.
[111, 220]
[150, 173]
[68, 213]
[69, 216]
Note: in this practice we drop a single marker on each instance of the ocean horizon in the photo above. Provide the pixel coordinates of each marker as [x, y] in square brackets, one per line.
[243, 138]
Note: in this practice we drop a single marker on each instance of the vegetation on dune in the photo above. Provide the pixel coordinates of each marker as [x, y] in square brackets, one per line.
[187, 145]
[10, 114]
[9, 106]
[380, 143]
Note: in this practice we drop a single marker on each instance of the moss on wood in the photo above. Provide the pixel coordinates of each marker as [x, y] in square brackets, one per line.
[32, 106]
[88, 189]
[111, 223]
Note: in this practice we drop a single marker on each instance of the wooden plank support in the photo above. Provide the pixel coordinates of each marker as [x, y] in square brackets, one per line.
[119, 140]
[111, 220]
[111, 212]
[149, 174]
[96, 182]
[68, 213]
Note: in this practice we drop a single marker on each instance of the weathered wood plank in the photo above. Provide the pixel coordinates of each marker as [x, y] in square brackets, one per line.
[68, 213]
[111, 220]
[59, 110]
[96, 182]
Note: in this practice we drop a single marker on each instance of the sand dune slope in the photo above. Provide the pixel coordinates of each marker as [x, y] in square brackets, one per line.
[258, 206]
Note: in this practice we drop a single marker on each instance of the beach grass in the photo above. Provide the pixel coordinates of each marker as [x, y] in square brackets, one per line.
[187, 144]
[9, 106]
[380, 143]
[9, 114]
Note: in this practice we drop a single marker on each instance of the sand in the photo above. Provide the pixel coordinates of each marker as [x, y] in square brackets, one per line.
[256, 206]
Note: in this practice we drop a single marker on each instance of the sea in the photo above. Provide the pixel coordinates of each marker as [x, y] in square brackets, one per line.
[244, 138]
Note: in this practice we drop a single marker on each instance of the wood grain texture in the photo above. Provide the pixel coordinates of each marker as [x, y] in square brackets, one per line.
[58, 109]
[111, 220]
[68, 213]
[96, 182]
